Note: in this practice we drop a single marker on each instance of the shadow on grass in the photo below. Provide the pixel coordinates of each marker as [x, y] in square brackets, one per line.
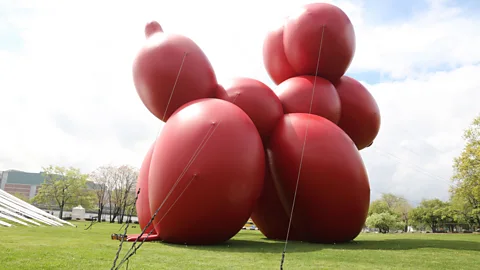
[408, 244]
[269, 246]
[254, 246]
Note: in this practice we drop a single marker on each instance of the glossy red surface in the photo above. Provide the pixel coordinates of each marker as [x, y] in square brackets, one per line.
[333, 193]
[303, 35]
[274, 59]
[296, 96]
[169, 71]
[152, 28]
[220, 93]
[143, 203]
[213, 149]
[269, 215]
[258, 101]
[360, 113]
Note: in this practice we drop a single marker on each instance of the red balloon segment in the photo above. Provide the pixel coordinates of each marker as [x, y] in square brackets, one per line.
[296, 97]
[269, 215]
[206, 173]
[258, 101]
[274, 59]
[320, 29]
[143, 203]
[221, 93]
[360, 113]
[333, 194]
[171, 70]
[152, 28]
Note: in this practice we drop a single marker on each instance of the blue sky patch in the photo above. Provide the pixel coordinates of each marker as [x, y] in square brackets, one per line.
[392, 11]
[10, 35]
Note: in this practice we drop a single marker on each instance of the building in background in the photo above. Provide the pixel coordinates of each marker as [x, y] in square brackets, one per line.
[21, 183]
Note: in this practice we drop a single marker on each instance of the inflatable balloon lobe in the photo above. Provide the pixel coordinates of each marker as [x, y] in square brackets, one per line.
[206, 173]
[360, 117]
[322, 34]
[274, 58]
[333, 193]
[270, 216]
[258, 101]
[310, 94]
[171, 70]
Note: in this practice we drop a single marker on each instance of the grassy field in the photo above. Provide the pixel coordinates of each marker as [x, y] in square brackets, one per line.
[76, 248]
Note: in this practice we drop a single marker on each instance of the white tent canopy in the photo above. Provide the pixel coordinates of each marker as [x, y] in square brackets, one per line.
[14, 210]
[78, 213]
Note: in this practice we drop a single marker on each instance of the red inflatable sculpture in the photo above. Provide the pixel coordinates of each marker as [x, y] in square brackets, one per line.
[296, 97]
[333, 193]
[258, 101]
[274, 58]
[143, 203]
[221, 93]
[152, 28]
[201, 174]
[239, 150]
[321, 31]
[360, 114]
[269, 215]
[171, 70]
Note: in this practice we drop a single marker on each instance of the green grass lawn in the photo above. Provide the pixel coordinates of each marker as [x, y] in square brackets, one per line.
[76, 248]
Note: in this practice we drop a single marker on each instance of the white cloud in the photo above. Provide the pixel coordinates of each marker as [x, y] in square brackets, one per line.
[422, 127]
[441, 37]
[68, 96]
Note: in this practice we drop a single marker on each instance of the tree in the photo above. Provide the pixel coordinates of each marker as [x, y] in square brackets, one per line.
[447, 217]
[463, 210]
[102, 178]
[379, 206]
[127, 179]
[402, 208]
[120, 188]
[86, 198]
[62, 186]
[381, 221]
[434, 213]
[466, 178]
[394, 205]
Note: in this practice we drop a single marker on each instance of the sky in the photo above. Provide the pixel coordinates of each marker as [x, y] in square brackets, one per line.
[67, 96]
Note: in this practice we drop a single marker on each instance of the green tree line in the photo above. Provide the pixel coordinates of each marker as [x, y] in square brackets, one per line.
[111, 187]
